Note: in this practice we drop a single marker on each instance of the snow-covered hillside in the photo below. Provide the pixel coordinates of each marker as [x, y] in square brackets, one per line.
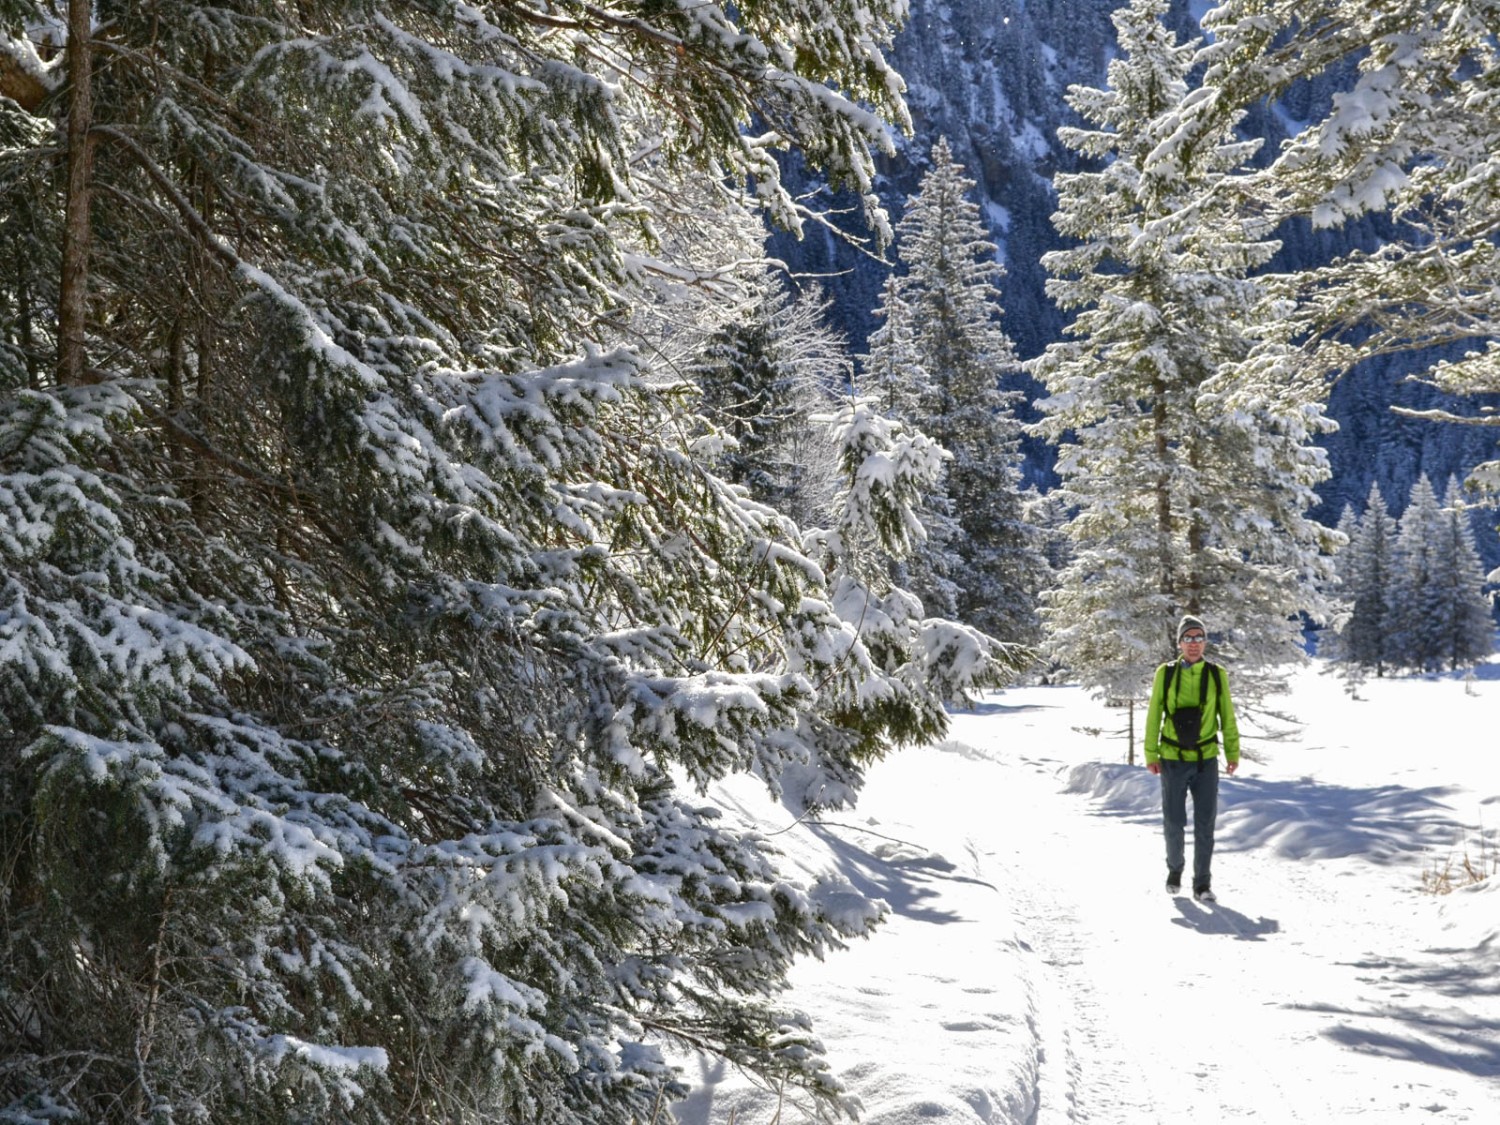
[1035, 972]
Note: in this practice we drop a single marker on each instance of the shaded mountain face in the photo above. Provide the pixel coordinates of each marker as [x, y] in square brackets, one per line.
[990, 75]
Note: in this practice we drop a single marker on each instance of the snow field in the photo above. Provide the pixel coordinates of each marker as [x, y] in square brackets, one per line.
[1035, 972]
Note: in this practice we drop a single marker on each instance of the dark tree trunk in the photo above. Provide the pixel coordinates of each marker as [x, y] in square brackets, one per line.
[72, 303]
[1166, 567]
[1197, 543]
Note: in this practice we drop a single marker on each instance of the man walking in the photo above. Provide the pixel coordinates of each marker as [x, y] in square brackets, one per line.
[1190, 707]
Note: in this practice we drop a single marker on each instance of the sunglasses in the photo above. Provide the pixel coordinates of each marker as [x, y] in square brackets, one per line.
[1193, 639]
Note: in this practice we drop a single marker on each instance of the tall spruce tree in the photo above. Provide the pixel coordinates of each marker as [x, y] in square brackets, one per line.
[1367, 568]
[1190, 488]
[1467, 618]
[1442, 618]
[764, 374]
[365, 603]
[894, 378]
[950, 291]
[1419, 599]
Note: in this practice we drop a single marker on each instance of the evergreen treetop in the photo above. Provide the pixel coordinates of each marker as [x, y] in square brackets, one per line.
[941, 356]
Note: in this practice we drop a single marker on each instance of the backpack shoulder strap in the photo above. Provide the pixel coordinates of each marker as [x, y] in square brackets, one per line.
[1209, 669]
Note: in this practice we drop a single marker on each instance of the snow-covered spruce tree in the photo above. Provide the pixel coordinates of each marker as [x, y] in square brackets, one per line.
[1367, 572]
[364, 602]
[1440, 616]
[950, 290]
[893, 374]
[1413, 133]
[1416, 597]
[765, 372]
[1328, 639]
[1190, 489]
[893, 379]
[1468, 624]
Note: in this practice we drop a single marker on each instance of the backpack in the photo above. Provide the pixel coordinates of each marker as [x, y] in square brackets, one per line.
[1191, 718]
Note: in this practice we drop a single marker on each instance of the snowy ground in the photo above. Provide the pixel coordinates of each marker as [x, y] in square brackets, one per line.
[1035, 972]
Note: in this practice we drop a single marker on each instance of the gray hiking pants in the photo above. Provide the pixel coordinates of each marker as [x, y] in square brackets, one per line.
[1178, 779]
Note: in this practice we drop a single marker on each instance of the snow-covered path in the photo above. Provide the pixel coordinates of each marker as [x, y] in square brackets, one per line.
[1035, 972]
[1177, 1011]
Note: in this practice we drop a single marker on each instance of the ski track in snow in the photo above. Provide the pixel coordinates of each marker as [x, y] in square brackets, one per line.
[1102, 1066]
[1148, 1037]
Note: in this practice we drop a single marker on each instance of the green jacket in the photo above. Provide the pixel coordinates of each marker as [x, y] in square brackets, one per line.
[1218, 714]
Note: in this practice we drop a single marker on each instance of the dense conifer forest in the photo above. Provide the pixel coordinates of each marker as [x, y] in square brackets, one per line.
[426, 469]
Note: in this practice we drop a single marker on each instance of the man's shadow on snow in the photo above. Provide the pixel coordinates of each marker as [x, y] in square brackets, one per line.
[1224, 920]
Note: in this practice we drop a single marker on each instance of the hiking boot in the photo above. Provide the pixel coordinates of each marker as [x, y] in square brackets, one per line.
[1203, 894]
[1174, 881]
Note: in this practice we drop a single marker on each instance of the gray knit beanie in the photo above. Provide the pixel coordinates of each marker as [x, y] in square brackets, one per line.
[1190, 622]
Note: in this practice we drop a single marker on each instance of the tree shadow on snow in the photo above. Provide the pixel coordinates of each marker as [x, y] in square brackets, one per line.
[1307, 819]
[1447, 1032]
[1301, 819]
[1444, 1039]
[906, 876]
[1460, 974]
[990, 708]
[1486, 671]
